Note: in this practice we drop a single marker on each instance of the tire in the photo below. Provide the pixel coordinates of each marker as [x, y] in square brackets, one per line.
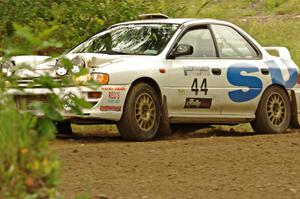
[64, 128]
[274, 112]
[141, 114]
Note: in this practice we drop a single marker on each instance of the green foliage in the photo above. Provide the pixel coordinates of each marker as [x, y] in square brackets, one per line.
[31, 42]
[27, 168]
[72, 21]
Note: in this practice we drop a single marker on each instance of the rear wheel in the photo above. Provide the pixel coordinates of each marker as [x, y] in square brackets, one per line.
[274, 112]
[141, 114]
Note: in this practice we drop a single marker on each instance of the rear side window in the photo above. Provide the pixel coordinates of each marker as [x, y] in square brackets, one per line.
[231, 44]
[202, 43]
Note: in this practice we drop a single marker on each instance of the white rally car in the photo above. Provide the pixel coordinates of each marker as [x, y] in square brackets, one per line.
[157, 72]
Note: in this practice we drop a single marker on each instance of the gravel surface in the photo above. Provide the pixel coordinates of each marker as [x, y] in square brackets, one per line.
[214, 163]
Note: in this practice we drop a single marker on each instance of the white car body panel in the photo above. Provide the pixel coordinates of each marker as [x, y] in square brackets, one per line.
[29, 60]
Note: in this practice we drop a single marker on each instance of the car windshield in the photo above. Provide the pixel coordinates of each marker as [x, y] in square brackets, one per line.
[133, 39]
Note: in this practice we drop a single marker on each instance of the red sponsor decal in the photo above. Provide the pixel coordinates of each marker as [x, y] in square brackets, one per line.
[110, 108]
[107, 88]
[110, 88]
[114, 95]
[119, 88]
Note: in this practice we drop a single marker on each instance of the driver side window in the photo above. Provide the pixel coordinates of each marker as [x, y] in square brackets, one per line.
[201, 41]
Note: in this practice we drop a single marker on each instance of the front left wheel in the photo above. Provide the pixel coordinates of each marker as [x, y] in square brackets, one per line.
[141, 114]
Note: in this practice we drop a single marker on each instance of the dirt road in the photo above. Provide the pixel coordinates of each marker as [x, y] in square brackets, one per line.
[207, 164]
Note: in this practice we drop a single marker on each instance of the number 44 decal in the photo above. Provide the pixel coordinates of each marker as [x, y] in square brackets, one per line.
[203, 87]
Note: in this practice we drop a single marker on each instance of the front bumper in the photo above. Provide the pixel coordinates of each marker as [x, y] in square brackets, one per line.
[109, 107]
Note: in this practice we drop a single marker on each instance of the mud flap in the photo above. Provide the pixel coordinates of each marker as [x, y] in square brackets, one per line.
[64, 128]
[164, 124]
[294, 117]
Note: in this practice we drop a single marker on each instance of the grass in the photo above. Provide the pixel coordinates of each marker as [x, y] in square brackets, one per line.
[275, 32]
[225, 9]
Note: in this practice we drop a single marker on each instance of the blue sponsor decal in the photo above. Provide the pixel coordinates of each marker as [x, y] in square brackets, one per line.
[253, 83]
[276, 74]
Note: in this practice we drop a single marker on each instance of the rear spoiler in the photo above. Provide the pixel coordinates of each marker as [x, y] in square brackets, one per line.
[283, 52]
[152, 16]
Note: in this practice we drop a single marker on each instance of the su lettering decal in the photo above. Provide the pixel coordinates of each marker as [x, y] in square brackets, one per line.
[254, 84]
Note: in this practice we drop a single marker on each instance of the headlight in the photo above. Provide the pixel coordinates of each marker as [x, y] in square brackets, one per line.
[6, 67]
[60, 68]
[77, 63]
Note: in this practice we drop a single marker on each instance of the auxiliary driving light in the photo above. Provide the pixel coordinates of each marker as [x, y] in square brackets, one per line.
[6, 67]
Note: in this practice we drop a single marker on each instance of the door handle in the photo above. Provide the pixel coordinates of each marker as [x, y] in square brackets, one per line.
[265, 71]
[216, 71]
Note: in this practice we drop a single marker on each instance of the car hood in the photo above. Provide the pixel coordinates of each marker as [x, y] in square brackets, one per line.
[29, 60]
[95, 61]
[35, 66]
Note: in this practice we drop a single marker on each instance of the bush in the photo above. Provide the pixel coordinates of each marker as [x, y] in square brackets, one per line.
[74, 20]
[28, 170]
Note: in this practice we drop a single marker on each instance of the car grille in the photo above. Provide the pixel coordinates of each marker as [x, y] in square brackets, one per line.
[24, 102]
[29, 82]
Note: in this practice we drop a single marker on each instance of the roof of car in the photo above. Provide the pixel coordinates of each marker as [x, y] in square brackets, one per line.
[174, 21]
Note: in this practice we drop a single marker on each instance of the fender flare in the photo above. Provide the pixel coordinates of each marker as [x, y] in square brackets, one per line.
[295, 124]
[164, 126]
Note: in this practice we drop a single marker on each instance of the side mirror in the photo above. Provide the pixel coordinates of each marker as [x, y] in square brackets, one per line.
[182, 49]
